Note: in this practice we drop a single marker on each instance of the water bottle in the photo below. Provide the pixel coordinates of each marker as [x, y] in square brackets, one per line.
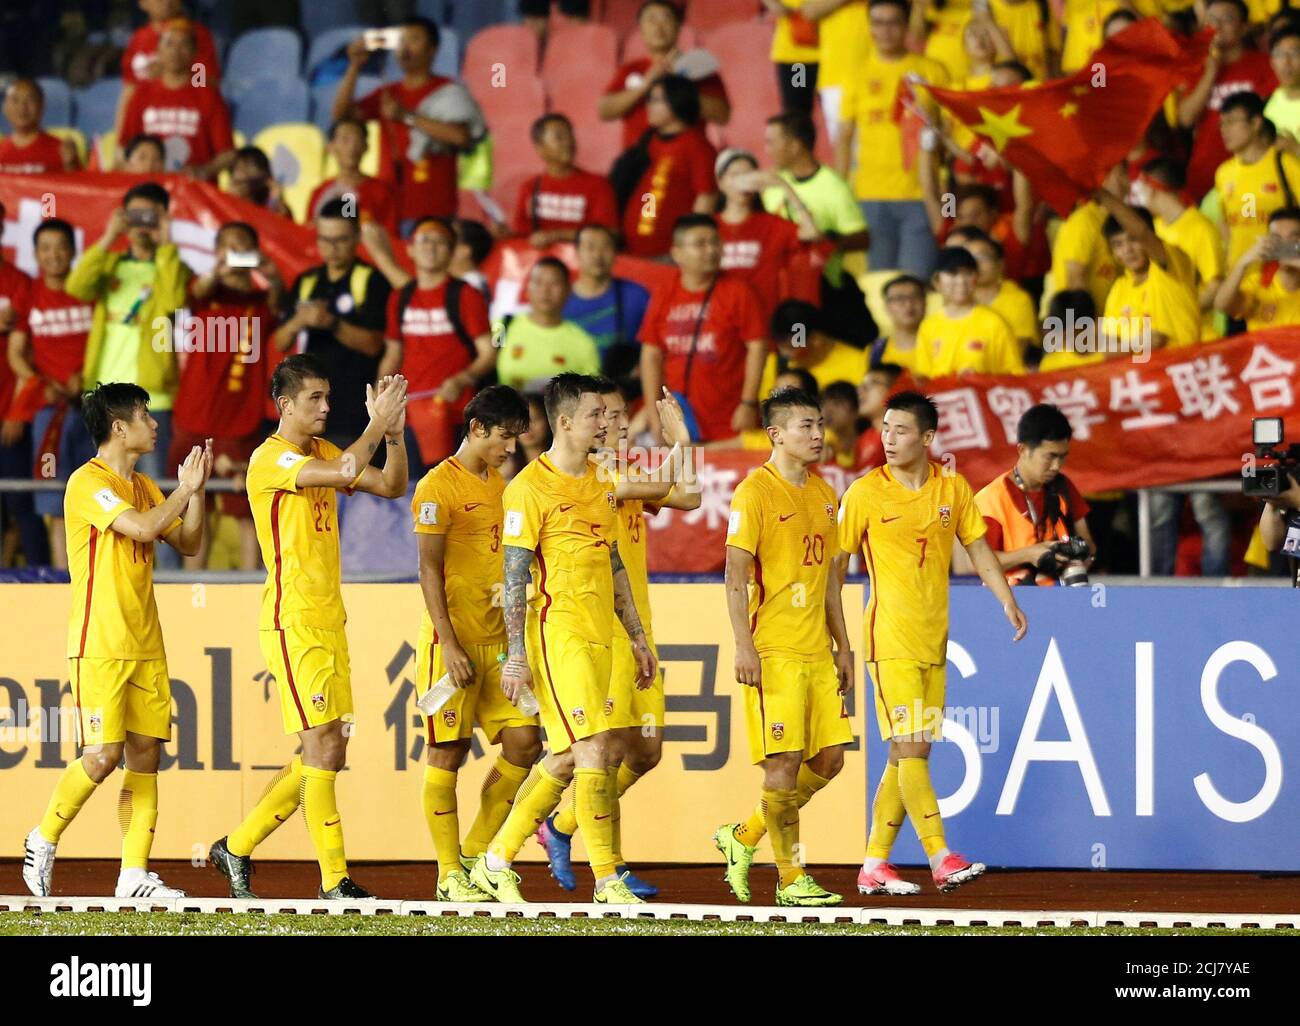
[436, 697]
[525, 701]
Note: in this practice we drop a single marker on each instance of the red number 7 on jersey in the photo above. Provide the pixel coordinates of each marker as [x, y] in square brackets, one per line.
[923, 542]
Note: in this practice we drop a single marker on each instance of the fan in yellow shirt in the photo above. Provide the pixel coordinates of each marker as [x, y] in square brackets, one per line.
[803, 342]
[1072, 334]
[784, 602]
[1022, 22]
[1081, 24]
[457, 517]
[1258, 179]
[561, 518]
[1153, 303]
[905, 303]
[843, 43]
[292, 480]
[1263, 287]
[963, 337]
[121, 691]
[1081, 259]
[905, 517]
[999, 293]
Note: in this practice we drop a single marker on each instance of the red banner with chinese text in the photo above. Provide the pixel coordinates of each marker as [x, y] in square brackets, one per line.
[1183, 415]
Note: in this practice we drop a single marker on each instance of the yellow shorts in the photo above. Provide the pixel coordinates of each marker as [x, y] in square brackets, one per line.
[797, 708]
[909, 697]
[311, 667]
[571, 681]
[628, 705]
[114, 696]
[482, 703]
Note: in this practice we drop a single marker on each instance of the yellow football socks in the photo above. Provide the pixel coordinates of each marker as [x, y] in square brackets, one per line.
[808, 784]
[439, 800]
[921, 803]
[70, 794]
[615, 819]
[276, 805]
[321, 811]
[781, 807]
[566, 821]
[595, 818]
[497, 795]
[537, 798]
[137, 811]
[887, 814]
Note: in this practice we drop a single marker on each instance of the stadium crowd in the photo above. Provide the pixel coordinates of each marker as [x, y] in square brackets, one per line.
[836, 244]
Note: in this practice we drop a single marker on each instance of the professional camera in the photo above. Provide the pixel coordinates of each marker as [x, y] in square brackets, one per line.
[1073, 574]
[1271, 480]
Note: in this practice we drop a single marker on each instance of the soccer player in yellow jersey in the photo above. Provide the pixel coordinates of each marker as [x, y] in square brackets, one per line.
[636, 715]
[457, 513]
[292, 480]
[1153, 302]
[783, 597]
[1263, 287]
[561, 516]
[963, 336]
[905, 517]
[120, 687]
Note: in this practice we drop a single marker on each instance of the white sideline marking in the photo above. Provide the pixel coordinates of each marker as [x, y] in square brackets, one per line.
[1029, 919]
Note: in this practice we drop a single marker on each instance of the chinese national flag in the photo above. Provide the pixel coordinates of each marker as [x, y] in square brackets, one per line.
[1066, 134]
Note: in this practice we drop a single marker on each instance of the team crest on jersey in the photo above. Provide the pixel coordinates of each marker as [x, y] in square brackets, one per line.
[449, 717]
[579, 716]
[830, 511]
[318, 700]
[609, 707]
[95, 721]
[778, 731]
[900, 713]
[945, 516]
[613, 502]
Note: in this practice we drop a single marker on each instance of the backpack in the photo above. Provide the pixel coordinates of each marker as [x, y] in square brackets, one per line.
[454, 285]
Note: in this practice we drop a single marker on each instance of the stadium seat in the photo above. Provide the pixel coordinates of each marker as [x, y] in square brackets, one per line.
[689, 39]
[297, 154]
[369, 163]
[263, 54]
[58, 101]
[322, 99]
[742, 50]
[706, 15]
[446, 63]
[327, 45]
[511, 48]
[590, 48]
[320, 15]
[269, 101]
[105, 150]
[599, 142]
[66, 132]
[97, 106]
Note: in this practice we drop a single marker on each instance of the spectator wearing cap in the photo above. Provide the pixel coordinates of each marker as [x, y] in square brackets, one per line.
[963, 336]
[424, 119]
[1159, 188]
[553, 205]
[29, 149]
[373, 198]
[704, 337]
[335, 311]
[678, 179]
[251, 180]
[1258, 178]
[540, 343]
[145, 155]
[756, 245]
[803, 341]
[998, 292]
[1263, 287]
[627, 97]
[1283, 107]
[905, 304]
[607, 308]
[889, 191]
[1232, 67]
[186, 112]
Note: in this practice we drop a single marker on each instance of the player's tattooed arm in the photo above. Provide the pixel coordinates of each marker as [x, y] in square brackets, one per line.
[518, 566]
[624, 605]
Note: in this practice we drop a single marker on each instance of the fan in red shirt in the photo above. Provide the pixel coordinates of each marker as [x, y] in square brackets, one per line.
[552, 206]
[347, 144]
[15, 433]
[140, 58]
[28, 150]
[703, 336]
[660, 24]
[679, 177]
[224, 344]
[438, 335]
[1232, 67]
[192, 121]
[756, 245]
[426, 185]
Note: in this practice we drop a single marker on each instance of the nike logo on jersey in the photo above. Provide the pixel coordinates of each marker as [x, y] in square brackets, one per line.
[66, 819]
[894, 824]
[447, 813]
[931, 815]
[786, 516]
[470, 506]
[885, 520]
[332, 822]
[567, 506]
[605, 816]
[279, 818]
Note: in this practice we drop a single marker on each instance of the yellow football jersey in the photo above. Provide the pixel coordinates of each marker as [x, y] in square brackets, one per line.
[114, 615]
[1079, 240]
[790, 531]
[1013, 305]
[571, 523]
[632, 547]
[1249, 193]
[905, 358]
[979, 342]
[1165, 297]
[298, 532]
[457, 503]
[1268, 303]
[1198, 237]
[907, 538]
